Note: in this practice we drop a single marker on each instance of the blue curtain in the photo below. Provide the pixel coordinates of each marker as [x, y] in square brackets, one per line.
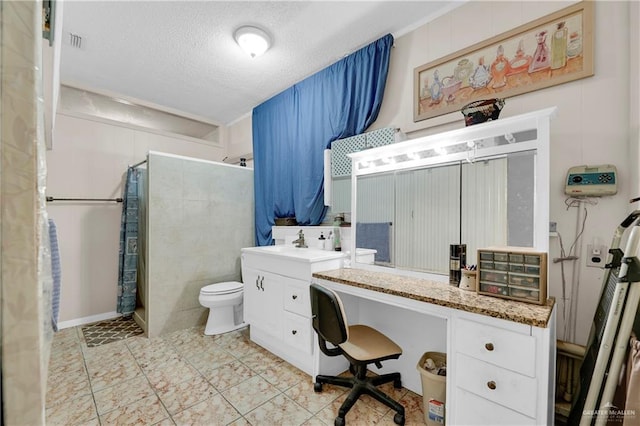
[128, 259]
[292, 130]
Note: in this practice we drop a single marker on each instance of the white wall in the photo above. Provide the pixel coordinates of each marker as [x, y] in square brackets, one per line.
[240, 137]
[593, 125]
[89, 160]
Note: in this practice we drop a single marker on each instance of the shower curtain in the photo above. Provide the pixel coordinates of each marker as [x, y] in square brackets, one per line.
[128, 255]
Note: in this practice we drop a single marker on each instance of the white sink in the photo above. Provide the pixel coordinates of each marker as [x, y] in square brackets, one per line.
[295, 253]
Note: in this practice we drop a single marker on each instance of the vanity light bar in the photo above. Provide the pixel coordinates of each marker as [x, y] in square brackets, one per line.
[419, 155]
[455, 141]
[426, 152]
[460, 152]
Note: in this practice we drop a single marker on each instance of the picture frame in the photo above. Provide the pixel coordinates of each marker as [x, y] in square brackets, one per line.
[548, 51]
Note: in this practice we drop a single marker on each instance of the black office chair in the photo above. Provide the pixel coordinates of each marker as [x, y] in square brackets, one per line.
[361, 345]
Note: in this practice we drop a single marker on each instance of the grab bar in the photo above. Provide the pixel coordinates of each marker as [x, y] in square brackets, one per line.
[117, 200]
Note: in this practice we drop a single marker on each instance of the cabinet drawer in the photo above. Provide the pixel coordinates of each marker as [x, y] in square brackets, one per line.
[524, 293]
[297, 332]
[474, 410]
[524, 280]
[486, 265]
[501, 266]
[501, 257]
[486, 255]
[532, 259]
[497, 346]
[493, 276]
[296, 298]
[517, 258]
[493, 288]
[501, 386]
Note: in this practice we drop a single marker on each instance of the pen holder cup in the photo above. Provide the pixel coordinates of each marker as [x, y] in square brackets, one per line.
[468, 280]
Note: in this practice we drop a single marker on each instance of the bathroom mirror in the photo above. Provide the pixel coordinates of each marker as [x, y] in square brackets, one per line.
[412, 216]
[497, 202]
[376, 198]
[480, 187]
[427, 217]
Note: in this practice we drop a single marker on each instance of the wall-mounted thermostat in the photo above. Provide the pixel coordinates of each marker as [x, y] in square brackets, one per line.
[591, 181]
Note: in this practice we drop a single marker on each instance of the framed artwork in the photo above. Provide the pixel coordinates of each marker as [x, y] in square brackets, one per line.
[552, 50]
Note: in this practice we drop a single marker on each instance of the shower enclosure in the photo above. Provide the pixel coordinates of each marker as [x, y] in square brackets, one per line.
[194, 217]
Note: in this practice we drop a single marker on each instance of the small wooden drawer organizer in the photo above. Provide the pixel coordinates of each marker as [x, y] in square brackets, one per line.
[516, 273]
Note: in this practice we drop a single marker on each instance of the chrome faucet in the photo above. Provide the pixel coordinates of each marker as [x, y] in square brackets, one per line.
[300, 241]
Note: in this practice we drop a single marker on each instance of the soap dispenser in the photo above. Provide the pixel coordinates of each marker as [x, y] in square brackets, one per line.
[328, 244]
[336, 232]
[321, 241]
[336, 240]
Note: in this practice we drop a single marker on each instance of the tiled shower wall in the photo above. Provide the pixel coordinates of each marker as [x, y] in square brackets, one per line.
[200, 214]
[23, 338]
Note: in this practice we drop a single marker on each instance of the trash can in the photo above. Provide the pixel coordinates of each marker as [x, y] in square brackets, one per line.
[434, 388]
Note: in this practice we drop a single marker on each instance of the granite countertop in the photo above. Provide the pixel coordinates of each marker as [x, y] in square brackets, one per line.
[442, 294]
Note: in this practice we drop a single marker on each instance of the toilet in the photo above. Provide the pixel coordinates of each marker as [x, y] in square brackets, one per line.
[224, 301]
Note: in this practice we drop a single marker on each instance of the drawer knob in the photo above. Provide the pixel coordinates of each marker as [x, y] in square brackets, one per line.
[488, 346]
[294, 331]
[491, 385]
[295, 296]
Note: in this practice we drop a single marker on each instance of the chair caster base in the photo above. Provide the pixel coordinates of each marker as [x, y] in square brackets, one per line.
[317, 387]
[398, 419]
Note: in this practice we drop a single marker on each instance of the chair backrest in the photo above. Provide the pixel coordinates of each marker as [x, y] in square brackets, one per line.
[328, 317]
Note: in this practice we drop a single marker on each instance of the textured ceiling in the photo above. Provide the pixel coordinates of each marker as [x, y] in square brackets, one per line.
[182, 55]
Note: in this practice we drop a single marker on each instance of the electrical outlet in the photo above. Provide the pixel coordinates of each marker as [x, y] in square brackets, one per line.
[553, 227]
[596, 256]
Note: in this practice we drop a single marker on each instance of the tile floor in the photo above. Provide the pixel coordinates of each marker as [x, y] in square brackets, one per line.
[186, 378]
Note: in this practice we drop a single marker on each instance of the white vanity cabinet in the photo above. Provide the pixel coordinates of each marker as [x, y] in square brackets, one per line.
[276, 298]
[262, 300]
[501, 372]
[500, 353]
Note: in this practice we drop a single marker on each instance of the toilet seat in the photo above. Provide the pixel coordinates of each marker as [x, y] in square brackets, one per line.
[221, 288]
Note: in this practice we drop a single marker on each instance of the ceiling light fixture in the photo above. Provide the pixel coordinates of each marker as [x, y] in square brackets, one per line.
[252, 40]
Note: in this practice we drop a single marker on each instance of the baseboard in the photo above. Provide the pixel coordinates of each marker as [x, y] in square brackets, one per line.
[87, 320]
